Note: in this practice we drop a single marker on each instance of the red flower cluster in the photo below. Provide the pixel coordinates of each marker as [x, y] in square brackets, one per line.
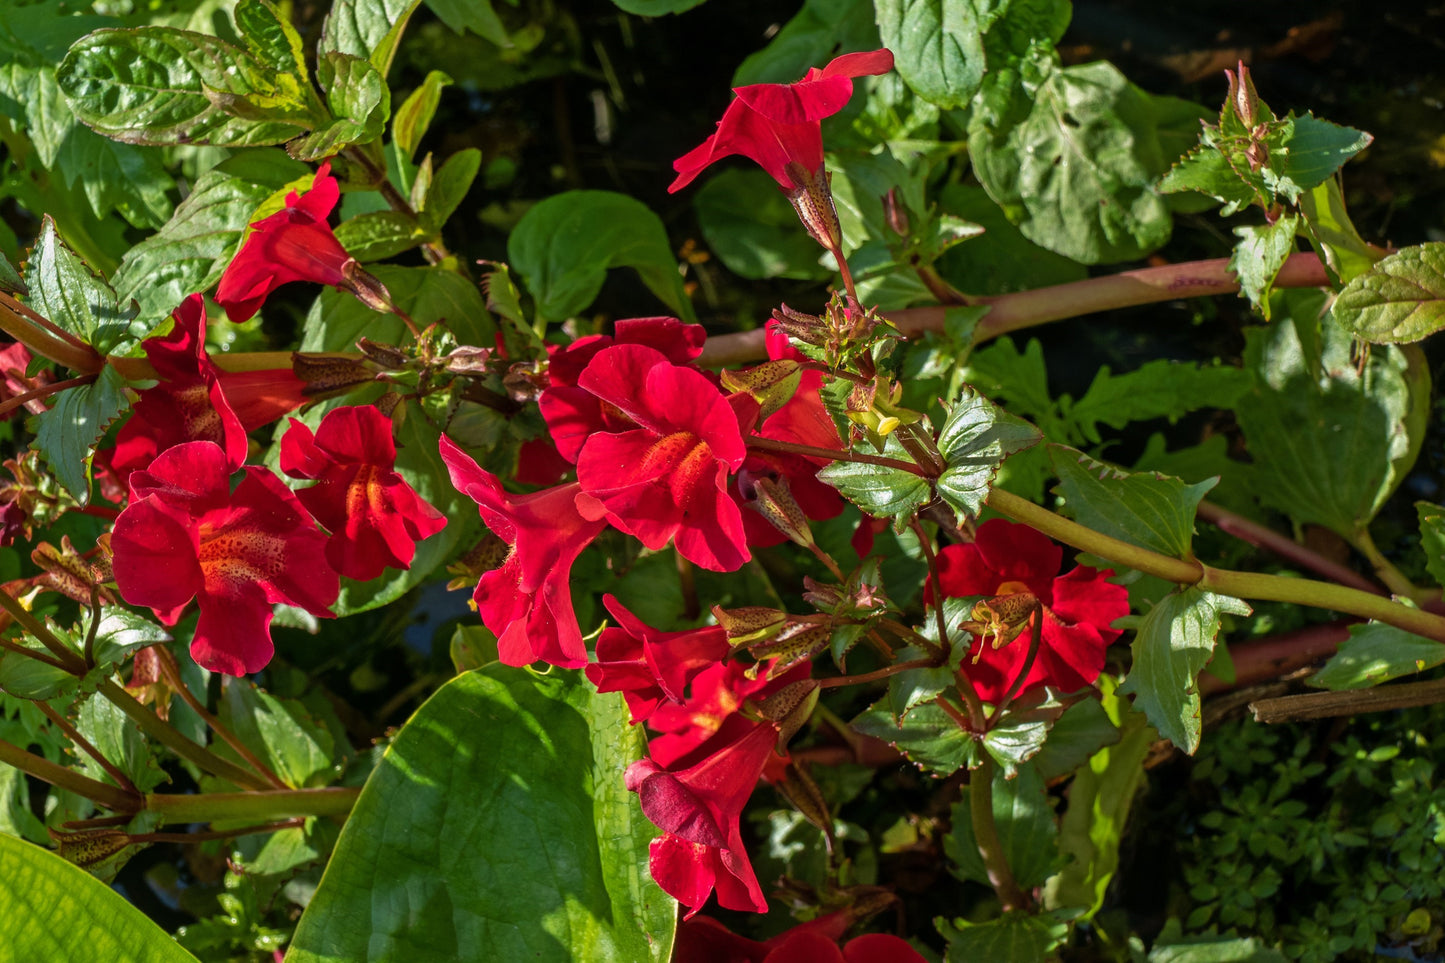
[1078, 607]
[705, 940]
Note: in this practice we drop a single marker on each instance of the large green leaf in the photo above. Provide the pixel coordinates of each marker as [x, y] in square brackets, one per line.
[564, 246]
[1156, 389]
[497, 827]
[70, 294]
[939, 45]
[1072, 161]
[1432, 539]
[1400, 299]
[191, 252]
[159, 85]
[656, 8]
[1329, 449]
[116, 177]
[749, 224]
[1001, 260]
[54, 912]
[1145, 508]
[1172, 643]
[1376, 653]
[75, 421]
[1027, 830]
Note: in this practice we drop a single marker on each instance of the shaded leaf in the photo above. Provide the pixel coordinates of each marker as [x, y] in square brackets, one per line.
[282, 733]
[1083, 729]
[880, 490]
[749, 224]
[927, 735]
[70, 295]
[1159, 388]
[822, 29]
[78, 417]
[449, 186]
[1146, 509]
[1376, 653]
[415, 114]
[1014, 938]
[1432, 538]
[1026, 826]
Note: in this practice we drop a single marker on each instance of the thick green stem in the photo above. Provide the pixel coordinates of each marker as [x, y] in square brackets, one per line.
[252, 806]
[1385, 570]
[162, 732]
[1244, 585]
[69, 660]
[171, 673]
[985, 833]
[43, 769]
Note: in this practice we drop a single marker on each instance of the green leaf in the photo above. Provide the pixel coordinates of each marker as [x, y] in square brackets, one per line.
[1156, 389]
[27, 678]
[564, 246]
[1146, 509]
[116, 177]
[1259, 255]
[478, 16]
[271, 37]
[939, 45]
[1171, 645]
[1432, 539]
[415, 114]
[378, 235]
[360, 101]
[1021, 734]
[69, 294]
[1333, 235]
[77, 419]
[449, 187]
[908, 689]
[1329, 450]
[1014, 938]
[1100, 797]
[497, 827]
[1172, 946]
[48, 119]
[975, 440]
[820, 30]
[749, 224]
[1026, 827]
[56, 911]
[119, 741]
[191, 252]
[159, 85]
[366, 28]
[429, 294]
[1376, 653]
[1208, 171]
[282, 734]
[1002, 260]
[1073, 161]
[1318, 148]
[1083, 729]
[880, 490]
[656, 8]
[928, 736]
[122, 632]
[1400, 299]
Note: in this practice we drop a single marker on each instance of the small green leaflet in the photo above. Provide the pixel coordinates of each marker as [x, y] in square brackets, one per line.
[880, 490]
[1146, 509]
[415, 114]
[366, 28]
[975, 440]
[1259, 255]
[1399, 300]
[70, 295]
[928, 736]
[1376, 653]
[1172, 643]
[69, 430]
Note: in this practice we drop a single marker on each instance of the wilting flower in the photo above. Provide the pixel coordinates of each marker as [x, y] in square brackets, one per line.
[374, 517]
[655, 443]
[779, 125]
[705, 940]
[649, 666]
[528, 601]
[295, 244]
[1006, 559]
[187, 535]
[697, 801]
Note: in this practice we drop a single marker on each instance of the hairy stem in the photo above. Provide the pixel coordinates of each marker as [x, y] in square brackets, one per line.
[69, 660]
[43, 769]
[252, 806]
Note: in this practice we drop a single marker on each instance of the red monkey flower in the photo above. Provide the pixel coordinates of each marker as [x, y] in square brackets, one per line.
[187, 535]
[778, 125]
[657, 467]
[649, 666]
[528, 601]
[698, 801]
[1078, 608]
[374, 517]
[14, 359]
[295, 244]
[705, 940]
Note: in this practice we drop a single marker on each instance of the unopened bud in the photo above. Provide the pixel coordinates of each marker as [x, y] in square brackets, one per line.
[799, 789]
[774, 501]
[366, 287]
[467, 360]
[790, 707]
[750, 624]
[89, 847]
[1242, 96]
[385, 355]
[807, 328]
[825, 598]
[771, 384]
[67, 573]
[328, 374]
[813, 200]
[895, 214]
[797, 643]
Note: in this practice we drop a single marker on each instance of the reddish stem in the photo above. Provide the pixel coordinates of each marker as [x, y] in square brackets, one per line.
[878, 674]
[1284, 546]
[832, 454]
